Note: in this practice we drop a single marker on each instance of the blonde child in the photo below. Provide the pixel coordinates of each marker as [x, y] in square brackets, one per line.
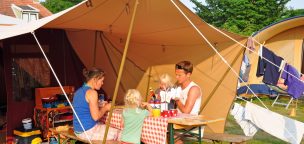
[167, 92]
[133, 116]
[165, 82]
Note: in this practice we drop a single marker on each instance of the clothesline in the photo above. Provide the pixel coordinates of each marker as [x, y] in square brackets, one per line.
[272, 74]
[251, 50]
[288, 73]
[269, 60]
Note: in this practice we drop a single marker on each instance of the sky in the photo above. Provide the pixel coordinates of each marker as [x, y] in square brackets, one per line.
[295, 4]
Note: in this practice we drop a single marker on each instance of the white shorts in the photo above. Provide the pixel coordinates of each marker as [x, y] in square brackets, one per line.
[97, 133]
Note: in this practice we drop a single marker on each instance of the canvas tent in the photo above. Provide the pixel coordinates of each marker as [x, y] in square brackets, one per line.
[285, 39]
[160, 38]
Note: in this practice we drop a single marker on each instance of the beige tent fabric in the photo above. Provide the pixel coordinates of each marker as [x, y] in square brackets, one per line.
[161, 37]
[141, 72]
[285, 39]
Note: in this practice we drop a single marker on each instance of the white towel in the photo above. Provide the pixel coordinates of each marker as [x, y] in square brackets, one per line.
[275, 124]
[282, 65]
[261, 51]
[238, 113]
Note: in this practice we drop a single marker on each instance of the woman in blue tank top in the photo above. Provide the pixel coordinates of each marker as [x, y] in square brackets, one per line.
[85, 103]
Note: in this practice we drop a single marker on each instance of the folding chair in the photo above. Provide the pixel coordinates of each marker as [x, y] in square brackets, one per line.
[280, 92]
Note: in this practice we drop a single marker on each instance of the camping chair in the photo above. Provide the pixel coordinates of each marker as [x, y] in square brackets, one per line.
[280, 92]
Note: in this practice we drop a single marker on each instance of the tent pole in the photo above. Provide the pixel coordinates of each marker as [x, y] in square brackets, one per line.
[120, 71]
[148, 85]
[94, 51]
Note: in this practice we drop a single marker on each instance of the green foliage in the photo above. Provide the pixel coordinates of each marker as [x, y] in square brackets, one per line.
[58, 5]
[292, 13]
[244, 16]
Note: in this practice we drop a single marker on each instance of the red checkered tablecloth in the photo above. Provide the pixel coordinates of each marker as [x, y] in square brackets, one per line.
[154, 129]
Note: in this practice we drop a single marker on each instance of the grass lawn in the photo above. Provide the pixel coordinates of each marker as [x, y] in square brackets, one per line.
[262, 137]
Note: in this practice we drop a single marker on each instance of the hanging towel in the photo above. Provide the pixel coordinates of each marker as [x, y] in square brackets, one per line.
[238, 113]
[275, 124]
[268, 70]
[250, 44]
[295, 86]
[282, 65]
[261, 50]
[245, 69]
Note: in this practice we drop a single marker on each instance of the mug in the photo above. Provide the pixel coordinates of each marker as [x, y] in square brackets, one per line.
[173, 112]
[165, 114]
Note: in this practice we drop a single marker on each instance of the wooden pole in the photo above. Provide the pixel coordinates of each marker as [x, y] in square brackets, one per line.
[120, 72]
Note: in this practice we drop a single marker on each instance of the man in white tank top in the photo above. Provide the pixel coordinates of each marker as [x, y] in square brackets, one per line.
[191, 95]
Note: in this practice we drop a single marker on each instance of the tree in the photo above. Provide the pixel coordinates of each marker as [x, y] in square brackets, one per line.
[244, 16]
[58, 5]
[292, 13]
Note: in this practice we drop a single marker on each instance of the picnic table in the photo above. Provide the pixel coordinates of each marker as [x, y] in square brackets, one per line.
[155, 129]
[187, 123]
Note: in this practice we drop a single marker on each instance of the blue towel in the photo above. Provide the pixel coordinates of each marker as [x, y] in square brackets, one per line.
[295, 86]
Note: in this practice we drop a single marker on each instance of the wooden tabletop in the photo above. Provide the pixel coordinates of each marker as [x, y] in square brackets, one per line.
[191, 120]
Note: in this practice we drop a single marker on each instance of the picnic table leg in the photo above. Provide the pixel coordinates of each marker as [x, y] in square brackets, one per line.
[199, 135]
[58, 138]
[171, 133]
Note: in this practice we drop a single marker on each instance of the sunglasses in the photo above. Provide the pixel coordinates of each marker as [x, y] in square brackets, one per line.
[177, 66]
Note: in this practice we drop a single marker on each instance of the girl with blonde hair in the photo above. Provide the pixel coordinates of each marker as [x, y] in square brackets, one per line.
[165, 82]
[167, 92]
[133, 116]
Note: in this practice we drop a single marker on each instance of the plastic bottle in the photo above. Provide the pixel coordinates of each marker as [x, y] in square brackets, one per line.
[151, 93]
[151, 102]
[157, 103]
[156, 109]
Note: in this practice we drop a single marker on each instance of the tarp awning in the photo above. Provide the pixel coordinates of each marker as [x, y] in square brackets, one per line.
[160, 38]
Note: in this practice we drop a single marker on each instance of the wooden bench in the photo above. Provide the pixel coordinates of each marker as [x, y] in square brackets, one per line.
[222, 137]
[69, 135]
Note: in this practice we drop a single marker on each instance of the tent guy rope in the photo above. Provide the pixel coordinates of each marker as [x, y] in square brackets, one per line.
[216, 51]
[59, 83]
